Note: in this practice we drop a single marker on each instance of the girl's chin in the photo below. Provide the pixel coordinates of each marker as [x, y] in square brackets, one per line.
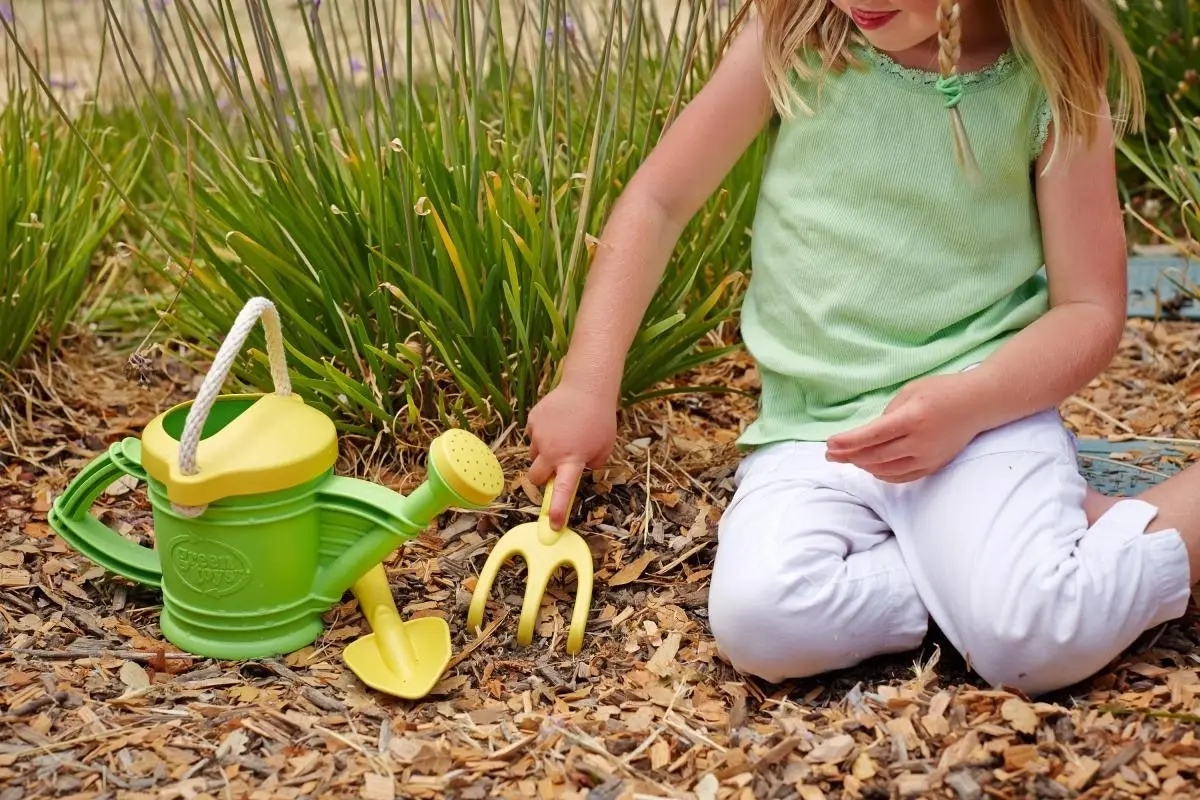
[894, 41]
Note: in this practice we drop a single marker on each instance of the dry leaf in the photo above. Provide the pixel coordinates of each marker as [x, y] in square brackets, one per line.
[246, 694]
[1020, 715]
[133, 676]
[809, 792]
[632, 571]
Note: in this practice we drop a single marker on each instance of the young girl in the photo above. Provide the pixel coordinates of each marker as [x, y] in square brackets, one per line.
[908, 461]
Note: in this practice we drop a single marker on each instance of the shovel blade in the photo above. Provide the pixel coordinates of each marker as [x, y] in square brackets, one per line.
[428, 639]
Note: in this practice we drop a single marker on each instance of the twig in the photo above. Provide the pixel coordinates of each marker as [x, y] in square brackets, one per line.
[641, 748]
[284, 671]
[1118, 463]
[519, 744]
[704, 489]
[1165, 439]
[648, 514]
[1104, 415]
[1118, 711]
[379, 763]
[695, 736]
[139, 656]
[587, 742]
[682, 558]
[68, 743]
[81, 618]
[483, 637]
[322, 700]
[37, 704]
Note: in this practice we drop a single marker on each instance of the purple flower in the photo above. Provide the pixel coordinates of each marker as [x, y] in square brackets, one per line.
[355, 65]
[568, 27]
[6, 12]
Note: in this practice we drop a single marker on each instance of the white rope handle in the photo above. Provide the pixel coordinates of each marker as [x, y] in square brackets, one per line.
[256, 308]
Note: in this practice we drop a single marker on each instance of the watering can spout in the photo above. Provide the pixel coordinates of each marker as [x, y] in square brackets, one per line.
[462, 472]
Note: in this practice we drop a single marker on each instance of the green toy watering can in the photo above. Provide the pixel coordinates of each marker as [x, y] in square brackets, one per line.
[255, 536]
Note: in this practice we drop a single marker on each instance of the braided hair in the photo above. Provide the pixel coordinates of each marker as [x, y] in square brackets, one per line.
[949, 19]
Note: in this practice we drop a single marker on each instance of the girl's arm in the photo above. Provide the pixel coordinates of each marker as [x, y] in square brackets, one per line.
[929, 422]
[1084, 241]
[574, 426]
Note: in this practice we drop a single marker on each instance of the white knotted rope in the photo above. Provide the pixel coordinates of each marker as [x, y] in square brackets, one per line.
[256, 308]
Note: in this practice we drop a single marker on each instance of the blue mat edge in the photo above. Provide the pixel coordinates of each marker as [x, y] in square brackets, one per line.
[1129, 467]
[1153, 295]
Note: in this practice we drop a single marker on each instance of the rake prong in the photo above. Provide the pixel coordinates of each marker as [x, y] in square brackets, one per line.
[530, 606]
[538, 581]
[583, 602]
[487, 576]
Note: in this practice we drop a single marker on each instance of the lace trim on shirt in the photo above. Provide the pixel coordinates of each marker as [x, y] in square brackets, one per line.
[1045, 116]
[999, 69]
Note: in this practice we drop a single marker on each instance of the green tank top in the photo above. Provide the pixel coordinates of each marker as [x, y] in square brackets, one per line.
[874, 260]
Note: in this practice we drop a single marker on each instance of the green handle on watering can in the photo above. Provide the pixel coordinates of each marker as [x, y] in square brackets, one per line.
[101, 544]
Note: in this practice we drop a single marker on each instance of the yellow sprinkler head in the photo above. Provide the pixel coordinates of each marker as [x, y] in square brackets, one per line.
[467, 467]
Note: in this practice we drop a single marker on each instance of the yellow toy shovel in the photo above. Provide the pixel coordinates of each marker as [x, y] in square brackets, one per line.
[544, 550]
[405, 659]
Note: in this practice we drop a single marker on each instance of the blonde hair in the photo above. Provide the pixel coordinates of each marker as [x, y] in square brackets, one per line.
[1073, 45]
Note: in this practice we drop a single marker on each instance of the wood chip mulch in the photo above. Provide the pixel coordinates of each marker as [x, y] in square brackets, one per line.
[95, 704]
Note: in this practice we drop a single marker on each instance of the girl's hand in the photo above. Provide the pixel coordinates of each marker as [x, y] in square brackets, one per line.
[922, 430]
[571, 428]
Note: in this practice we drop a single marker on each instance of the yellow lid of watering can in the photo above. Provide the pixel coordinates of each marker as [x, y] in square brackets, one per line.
[252, 444]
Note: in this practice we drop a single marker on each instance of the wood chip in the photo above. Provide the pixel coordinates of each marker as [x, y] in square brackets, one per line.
[833, 750]
[378, 787]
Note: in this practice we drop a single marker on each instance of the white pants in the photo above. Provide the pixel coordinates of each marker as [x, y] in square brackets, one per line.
[820, 565]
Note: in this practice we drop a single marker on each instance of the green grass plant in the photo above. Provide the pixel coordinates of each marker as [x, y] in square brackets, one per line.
[425, 224]
[1165, 36]
[1174, 170]
[58, 209]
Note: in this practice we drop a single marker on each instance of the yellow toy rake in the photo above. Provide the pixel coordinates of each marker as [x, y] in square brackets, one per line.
[544, 550]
